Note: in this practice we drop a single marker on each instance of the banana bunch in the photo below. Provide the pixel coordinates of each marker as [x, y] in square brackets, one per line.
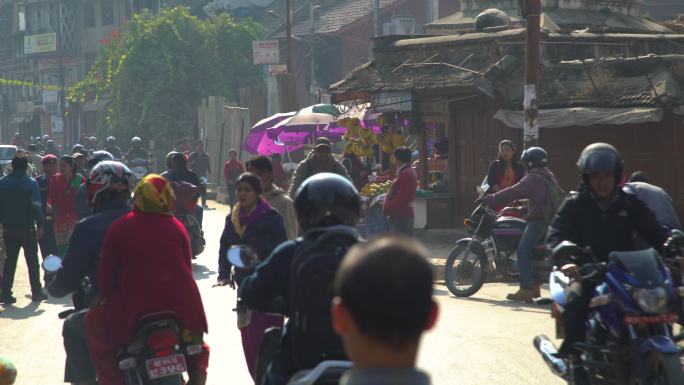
[374, 189]
[390, 141]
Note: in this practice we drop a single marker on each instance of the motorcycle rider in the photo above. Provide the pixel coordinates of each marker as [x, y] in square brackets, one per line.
[91, 144]
[83, 207]
[603, 217]
[108, 191]
[321, 159]
[136, 151]
[323, 203]
[112, 148]
[178, 172]
[534, 186]
[654, 197]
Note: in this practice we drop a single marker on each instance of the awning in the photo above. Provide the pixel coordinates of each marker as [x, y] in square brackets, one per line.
[573, 117]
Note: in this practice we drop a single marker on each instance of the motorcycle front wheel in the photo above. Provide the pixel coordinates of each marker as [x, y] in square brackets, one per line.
[465, 273]
[664, 369]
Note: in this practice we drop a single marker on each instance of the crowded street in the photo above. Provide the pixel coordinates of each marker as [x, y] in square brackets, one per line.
[481, 340]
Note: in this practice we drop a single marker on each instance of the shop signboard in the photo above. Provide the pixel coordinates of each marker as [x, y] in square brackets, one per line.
[50, 101]
[277, 69]
[46, 42]
[266, 52]
[391, 101]
[56, 124]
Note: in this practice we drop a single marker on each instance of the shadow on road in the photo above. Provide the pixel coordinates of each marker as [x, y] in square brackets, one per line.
[201, 272]
[19, 313]
[514, 306]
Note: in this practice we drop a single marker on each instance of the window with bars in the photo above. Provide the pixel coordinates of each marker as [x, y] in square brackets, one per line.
[88, 15]
[107, 8]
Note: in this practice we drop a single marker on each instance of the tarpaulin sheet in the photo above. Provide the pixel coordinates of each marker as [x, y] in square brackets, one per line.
[580, 116]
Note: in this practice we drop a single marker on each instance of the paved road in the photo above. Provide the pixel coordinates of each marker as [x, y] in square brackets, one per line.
[478, 341]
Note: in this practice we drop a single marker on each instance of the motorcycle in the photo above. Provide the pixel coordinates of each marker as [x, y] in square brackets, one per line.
[139, 168]
[185, 212]
[325, 373]
[491, 249]
[156, 355]
[629, 333]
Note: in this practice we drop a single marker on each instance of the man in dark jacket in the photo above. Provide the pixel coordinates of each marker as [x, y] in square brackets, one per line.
[398, 204]
[325, 203]
[534, 187]
[22, 221]
[178, 172]
[108, 194]
[320, 160]
[200, 164]
[601, 216]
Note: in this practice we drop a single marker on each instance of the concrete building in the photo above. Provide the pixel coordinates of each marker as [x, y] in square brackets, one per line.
[47, 44]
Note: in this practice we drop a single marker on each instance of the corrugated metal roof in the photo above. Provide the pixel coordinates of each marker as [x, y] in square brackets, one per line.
[332, 18]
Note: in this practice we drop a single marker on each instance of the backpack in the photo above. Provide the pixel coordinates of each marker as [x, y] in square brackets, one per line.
[312, 274]
[555, 196]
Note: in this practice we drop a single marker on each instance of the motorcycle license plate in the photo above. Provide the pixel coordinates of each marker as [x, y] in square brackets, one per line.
[651, 319]
[166, 366]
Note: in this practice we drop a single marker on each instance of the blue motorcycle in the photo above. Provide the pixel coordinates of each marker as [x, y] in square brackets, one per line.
[629, 333]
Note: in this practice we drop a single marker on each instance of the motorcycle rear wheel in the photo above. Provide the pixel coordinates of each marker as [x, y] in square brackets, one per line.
[465, 274]
[664, 369]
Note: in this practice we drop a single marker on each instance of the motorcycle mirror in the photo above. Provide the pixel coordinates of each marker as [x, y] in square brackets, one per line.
[243, 257]
[52, 264]
[564, 250]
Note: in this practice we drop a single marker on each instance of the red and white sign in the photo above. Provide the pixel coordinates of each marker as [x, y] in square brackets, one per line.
[277, 69]
[266, 51]
[166, 366]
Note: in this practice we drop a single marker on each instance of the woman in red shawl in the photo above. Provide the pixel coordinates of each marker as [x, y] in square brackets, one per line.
[145, 268]
[62, 201]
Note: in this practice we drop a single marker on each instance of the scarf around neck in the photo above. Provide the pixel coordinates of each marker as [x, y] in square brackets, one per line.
[241, 219]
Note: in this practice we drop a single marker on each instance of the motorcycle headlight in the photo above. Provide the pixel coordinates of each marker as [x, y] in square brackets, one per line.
[652, 301]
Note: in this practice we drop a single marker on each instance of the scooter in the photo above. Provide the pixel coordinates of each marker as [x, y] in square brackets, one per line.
[630, 329]
[325, 373]
[139, 168]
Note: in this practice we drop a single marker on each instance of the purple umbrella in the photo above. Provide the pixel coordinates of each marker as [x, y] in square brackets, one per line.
[258, 130]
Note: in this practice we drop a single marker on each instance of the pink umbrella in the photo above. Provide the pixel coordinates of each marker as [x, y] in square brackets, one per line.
[257, 132]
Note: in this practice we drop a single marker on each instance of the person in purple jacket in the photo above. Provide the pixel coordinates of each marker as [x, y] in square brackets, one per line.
[534, 188]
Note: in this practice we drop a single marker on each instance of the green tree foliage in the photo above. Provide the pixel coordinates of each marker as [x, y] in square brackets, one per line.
[157, 71]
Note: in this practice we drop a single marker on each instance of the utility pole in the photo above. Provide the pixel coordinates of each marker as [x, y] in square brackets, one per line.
[532, 12]
[62, 89]
[288, 34]
[377, 31]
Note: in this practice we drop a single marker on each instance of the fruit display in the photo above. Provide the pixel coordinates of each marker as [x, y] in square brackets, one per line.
[377, 188]
[362, 139]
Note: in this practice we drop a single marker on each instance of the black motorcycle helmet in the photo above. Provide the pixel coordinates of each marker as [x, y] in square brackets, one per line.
[600, 157]
[175, 158]
[327, 199]
[534, 157]
[97, 157]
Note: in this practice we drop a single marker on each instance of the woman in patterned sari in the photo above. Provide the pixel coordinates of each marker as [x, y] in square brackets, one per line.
[62, 201]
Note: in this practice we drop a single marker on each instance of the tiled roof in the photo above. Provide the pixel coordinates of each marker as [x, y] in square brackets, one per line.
[334, 17]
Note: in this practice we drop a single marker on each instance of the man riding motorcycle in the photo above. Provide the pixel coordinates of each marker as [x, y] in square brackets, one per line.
[136, 151]
[324, 204]
[534, 186]
[112, 148]
[108, 193]
[601, 216]
[83, 206]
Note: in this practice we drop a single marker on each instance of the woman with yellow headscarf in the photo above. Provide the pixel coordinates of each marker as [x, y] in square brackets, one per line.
[149, 250]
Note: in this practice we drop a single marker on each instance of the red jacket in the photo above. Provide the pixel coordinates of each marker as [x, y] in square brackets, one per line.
[141, 272]
[402, 193]
[232, 170]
